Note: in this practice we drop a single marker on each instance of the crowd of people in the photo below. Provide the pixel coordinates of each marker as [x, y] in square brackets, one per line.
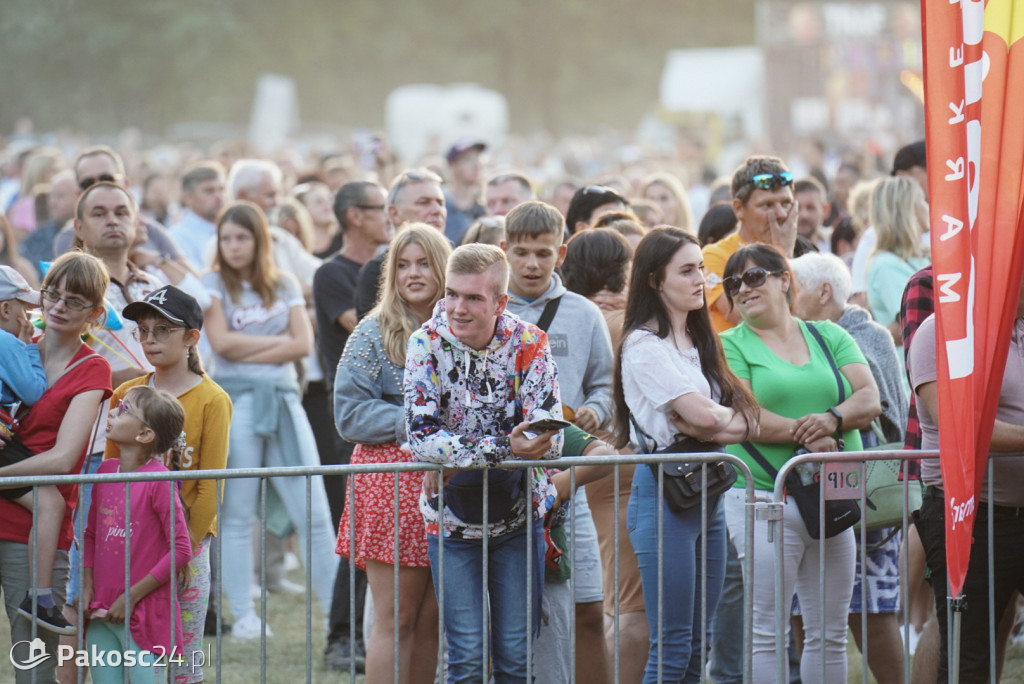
[298, 312]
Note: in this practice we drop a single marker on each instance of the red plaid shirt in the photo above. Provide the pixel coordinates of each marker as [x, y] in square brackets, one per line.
[918, 304]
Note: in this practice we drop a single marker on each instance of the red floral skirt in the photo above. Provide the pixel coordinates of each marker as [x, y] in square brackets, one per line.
[372, 498]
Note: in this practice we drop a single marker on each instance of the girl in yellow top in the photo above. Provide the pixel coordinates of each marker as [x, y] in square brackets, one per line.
[169, 321]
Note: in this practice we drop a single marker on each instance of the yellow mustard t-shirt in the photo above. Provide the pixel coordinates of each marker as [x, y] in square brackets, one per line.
[207, 426]
[715, 257]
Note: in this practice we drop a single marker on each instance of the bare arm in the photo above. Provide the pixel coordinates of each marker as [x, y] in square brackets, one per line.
[348, 320]
[297, 343]
[859, 409]
[896, 330]
[231, 345]
[699, 416]
[72, 438]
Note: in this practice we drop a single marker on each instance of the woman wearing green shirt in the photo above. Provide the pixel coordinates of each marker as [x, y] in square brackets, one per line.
[775, 355]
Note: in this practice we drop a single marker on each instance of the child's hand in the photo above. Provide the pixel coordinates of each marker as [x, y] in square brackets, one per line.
[116, 611]
[25, 330]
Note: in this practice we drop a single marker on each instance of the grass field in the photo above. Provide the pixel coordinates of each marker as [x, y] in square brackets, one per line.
[285, 657]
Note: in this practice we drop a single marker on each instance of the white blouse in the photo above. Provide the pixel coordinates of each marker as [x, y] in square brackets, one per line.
[654, 372]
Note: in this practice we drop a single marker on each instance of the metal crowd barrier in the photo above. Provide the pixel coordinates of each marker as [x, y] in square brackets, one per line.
[773, 513]
[265, 474]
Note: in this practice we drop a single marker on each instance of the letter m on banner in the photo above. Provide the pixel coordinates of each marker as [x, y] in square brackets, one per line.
[974, 111]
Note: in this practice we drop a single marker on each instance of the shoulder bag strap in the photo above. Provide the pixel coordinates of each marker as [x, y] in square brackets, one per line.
[761, 460]
[641, 436]
[831, 362]
[548, 315]
[71, 367]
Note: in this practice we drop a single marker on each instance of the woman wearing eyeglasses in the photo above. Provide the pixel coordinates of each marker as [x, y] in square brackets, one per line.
[168, 324]
[56, 430]
[671, 378]
[778, 358]
[257, 326]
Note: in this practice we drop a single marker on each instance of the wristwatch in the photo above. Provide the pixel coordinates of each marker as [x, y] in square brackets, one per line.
[839, 417]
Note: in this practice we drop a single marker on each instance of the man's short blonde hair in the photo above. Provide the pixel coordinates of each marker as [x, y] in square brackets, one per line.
[478, 258]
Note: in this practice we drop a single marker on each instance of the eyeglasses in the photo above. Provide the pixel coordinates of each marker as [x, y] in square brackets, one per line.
[124, 407]
[770, 181]
[372, 207]
[72, 303]
[597, 190]
[90, 181]
[160, 332]
[755, 277]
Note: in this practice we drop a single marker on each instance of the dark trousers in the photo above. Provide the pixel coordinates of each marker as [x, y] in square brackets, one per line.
[1007, 575]
[319, 405]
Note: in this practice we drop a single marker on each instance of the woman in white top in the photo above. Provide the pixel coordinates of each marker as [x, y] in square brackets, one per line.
[671, 377]
[258, 328]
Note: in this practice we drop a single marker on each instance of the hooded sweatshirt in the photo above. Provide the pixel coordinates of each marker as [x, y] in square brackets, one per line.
[886, 367]
[461, 405]
[580, 345]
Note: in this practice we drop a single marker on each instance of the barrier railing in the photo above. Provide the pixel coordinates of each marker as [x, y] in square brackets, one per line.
[776, 531]
[266, 474]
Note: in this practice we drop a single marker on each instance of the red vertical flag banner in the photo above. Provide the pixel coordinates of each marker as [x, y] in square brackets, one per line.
[974, 111]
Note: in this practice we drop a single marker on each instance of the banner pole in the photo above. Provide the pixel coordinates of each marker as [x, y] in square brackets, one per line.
[954, 611]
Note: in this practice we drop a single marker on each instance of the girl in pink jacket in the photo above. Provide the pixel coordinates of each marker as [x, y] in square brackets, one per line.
[145, 424]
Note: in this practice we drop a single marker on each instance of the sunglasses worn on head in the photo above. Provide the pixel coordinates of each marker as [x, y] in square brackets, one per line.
[770, 181]
[755, 277]
[90, 181]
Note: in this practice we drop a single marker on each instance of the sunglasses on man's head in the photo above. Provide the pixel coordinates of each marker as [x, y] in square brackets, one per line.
[90, 181]
[770, 181]
[755, 277]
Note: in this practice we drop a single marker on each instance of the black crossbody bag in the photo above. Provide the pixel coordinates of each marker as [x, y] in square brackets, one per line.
[685, 480]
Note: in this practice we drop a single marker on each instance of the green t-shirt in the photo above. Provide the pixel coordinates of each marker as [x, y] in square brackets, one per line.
[788, 390]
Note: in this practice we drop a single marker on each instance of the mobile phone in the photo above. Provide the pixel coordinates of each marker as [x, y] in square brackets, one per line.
[547, 425]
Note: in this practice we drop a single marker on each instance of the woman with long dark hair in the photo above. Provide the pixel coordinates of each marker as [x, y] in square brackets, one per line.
[671, 378]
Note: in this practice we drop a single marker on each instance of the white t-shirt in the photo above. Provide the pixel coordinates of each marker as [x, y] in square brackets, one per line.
[654, 373]
[249, 316]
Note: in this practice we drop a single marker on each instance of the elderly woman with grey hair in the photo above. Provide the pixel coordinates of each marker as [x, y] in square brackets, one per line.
[823, 288]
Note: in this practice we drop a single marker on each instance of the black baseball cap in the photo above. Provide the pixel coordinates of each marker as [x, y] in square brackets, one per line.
[908, 157]
[171, 303]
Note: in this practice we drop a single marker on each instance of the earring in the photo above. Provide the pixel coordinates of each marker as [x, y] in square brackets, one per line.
[188, 352]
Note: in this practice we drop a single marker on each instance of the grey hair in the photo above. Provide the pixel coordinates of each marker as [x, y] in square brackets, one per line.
[411, 176]
[814, 269]
[247, 173]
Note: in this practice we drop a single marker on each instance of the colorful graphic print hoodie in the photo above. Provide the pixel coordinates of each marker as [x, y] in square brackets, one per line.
[461, 405]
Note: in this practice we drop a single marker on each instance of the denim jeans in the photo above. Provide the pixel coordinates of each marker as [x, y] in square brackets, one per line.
[464, 605]
[241, 495]
[684, 628]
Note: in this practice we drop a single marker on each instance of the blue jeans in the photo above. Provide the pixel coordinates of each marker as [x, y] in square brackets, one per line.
[684, 627]
[241, 495]
[90, 467]
[464, 626]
